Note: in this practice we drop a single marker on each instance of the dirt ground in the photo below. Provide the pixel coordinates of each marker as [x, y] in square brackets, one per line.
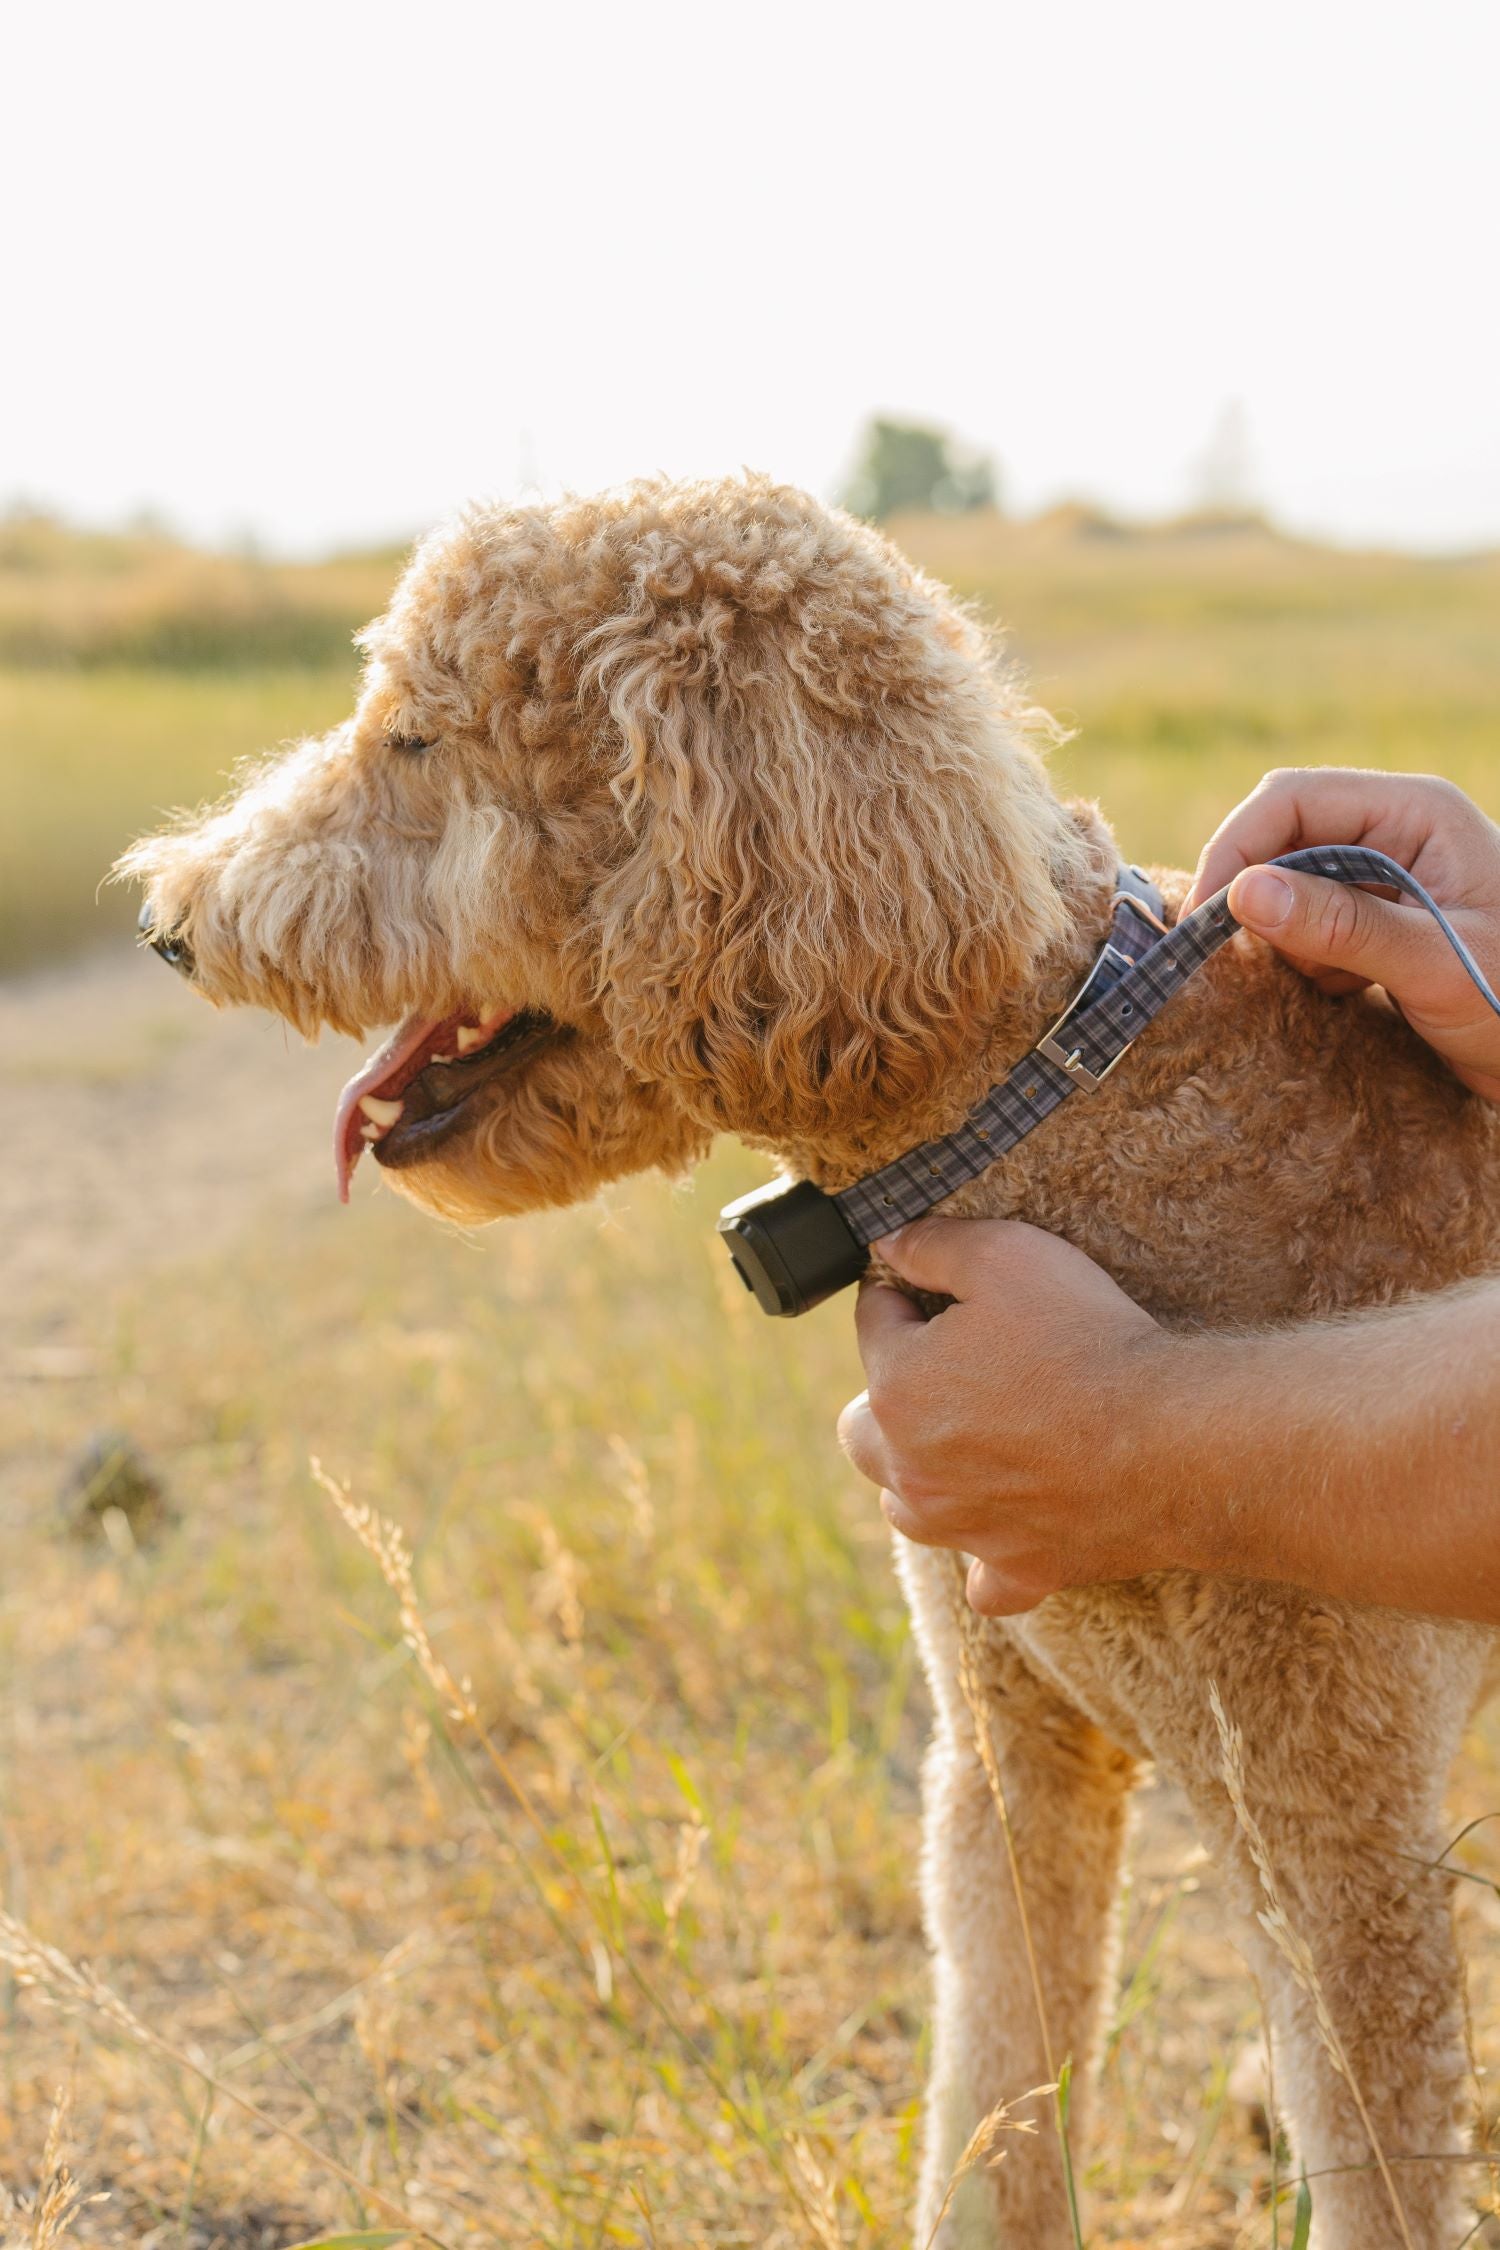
[142, 1127]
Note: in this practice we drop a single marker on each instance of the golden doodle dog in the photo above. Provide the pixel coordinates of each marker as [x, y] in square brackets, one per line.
[695, 809]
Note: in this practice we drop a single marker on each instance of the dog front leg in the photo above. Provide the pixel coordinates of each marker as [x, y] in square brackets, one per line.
[1330, 1828]
[1066, 1792]
[1378, 1932]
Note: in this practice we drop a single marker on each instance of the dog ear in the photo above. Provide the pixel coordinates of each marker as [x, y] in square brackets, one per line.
[841, 862]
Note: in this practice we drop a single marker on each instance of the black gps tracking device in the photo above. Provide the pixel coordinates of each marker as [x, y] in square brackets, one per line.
[791, 1246]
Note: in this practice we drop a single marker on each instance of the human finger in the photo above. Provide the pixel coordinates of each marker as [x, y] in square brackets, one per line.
[1332, 928]
[885, 1323]
[1395, 813]
[905, 1519]
[955, 1257]
[990, 1593]
[862, 1439]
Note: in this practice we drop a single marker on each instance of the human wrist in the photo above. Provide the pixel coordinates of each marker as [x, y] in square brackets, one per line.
[1150, 1449]
[1260, 1437]
[1197, 1469]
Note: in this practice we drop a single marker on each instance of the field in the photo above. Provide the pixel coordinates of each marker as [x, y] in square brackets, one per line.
[589, 1920]
[133, 676]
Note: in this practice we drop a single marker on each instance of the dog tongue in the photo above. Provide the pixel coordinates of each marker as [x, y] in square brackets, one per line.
[389, 1072]
[418, 1037]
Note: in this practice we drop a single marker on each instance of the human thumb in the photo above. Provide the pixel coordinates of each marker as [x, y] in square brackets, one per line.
[945, 1257]
[1329, 925]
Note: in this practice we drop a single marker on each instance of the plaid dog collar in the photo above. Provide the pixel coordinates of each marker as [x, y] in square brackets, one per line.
[795, 1245]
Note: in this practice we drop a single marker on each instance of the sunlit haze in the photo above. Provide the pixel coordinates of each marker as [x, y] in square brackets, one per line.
[315, 273]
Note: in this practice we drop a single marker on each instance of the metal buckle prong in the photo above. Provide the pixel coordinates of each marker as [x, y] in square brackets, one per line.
[1071, 1059]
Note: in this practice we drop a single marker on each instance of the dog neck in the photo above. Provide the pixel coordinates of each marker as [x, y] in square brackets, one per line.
[1013, 1023]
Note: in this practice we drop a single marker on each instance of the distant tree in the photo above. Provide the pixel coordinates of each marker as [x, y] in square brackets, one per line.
[146, 522]
[1222, 477]
[907, 465]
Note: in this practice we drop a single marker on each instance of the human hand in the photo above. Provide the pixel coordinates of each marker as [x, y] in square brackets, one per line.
[1345, 938]
[1012, 1425]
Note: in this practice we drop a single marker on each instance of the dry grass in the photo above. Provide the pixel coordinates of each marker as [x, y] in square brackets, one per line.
[703, 1703]
[41, 2220]
[605, 1984]
[625, 1952]
[79, 600]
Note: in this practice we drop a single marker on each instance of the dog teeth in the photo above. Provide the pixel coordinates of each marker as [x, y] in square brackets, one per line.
[382, 1115]
[370, 1132]
[440, 1058]
[469, 1038]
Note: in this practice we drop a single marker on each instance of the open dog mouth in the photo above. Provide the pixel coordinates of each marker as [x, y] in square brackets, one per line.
[411, 1096]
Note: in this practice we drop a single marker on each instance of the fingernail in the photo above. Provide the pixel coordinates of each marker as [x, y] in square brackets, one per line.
[1260, 898]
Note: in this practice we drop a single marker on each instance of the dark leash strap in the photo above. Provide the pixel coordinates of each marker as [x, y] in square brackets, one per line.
[795, 1245]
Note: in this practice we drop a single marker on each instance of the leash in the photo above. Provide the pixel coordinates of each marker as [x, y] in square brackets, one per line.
[795, 1245]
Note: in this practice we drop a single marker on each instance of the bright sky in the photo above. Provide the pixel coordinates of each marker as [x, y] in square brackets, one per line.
[320, 271]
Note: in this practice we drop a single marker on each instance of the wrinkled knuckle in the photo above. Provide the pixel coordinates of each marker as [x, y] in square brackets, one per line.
[928, 1497]
[930, 1506]
[1339, 922]
[1029, 1580]
[1004, 1590]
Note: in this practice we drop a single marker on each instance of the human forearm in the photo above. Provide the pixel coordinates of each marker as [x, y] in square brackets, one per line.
[1359, 1458]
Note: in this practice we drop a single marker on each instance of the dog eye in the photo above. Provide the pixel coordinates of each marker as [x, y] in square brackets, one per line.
[411, 745]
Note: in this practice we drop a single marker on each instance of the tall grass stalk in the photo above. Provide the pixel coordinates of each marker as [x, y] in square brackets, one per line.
[979, 2147]
[969, 1629]
[1273, 2126]
[40, 2221]
[795, 2166]
[1063, 2098]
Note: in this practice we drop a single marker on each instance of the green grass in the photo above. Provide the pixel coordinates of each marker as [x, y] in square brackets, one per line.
[1189, 666]
[88, 759]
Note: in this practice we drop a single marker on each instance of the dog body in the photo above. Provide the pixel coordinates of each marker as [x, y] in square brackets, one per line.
[1325, 1165]
[729, 821]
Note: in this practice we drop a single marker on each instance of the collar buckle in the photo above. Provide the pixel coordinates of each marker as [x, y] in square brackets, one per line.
[1113, 963]
[1136, 897]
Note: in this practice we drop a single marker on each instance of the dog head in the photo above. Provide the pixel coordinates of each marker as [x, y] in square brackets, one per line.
[685, 809]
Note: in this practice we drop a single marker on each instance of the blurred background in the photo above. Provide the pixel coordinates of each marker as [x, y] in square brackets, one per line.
[1166, 335]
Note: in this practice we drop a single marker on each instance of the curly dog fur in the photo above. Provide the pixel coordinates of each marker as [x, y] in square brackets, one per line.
[713, 777]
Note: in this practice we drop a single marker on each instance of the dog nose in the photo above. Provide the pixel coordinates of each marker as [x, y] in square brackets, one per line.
[171, 945]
